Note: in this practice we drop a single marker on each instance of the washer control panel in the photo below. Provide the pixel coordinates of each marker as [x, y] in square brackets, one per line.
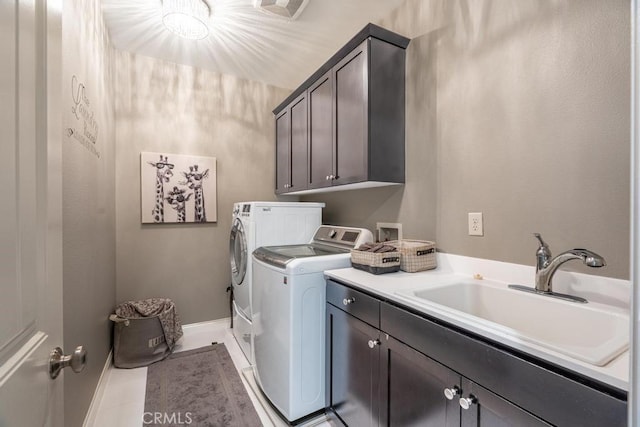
[345, 237]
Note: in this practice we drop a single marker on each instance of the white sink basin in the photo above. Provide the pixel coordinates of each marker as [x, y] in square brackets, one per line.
[586, 332]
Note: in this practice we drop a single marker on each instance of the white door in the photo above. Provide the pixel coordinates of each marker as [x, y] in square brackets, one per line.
[30, 230]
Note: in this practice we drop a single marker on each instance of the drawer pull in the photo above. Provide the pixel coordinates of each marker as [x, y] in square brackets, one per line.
[373, 343]
[452, 392]
[466, 402]
[348, 301]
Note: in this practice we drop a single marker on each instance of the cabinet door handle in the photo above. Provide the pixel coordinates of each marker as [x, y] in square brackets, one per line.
[327, 178]
[452, 392]
[373, 343]
[466, 402]
[348, 301]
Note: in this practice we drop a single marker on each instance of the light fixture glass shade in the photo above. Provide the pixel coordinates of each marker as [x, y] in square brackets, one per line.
[186, 18]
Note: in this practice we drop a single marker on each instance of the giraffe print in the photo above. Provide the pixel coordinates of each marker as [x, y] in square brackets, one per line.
[194, 182]
[177, 200]
[163, 174]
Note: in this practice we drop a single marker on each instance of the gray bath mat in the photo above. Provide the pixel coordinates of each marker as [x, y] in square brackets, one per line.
[198, 387]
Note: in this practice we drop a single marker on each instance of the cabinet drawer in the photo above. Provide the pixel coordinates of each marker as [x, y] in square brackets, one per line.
[354, 302]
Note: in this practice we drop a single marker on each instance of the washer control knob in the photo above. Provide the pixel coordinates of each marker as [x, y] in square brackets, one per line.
[332, 233]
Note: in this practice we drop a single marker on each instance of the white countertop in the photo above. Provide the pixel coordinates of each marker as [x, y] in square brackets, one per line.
[600, 291]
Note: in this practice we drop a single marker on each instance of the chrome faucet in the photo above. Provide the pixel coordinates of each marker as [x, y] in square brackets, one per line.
[546, 266]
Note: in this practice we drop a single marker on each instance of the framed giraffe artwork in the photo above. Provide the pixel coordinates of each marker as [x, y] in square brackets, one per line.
[176, 188]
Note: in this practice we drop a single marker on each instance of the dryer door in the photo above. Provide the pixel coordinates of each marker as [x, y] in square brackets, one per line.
[238, 252]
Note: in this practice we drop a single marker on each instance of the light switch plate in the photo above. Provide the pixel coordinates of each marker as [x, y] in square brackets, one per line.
[476, 227]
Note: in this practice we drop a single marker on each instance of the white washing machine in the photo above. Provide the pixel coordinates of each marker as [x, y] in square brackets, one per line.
[289, 317]
[258, 224]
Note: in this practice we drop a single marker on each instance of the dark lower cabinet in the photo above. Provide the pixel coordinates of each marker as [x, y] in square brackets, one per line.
[486, 409]
[387, 366]
[354, 361]
[413, 385]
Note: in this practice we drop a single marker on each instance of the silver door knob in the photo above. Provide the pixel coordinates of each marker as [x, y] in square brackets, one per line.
[452, 392]
[58, 360]
[348, 301]
[327, 178]
[331, 177]
[373, 343]
[466, 402]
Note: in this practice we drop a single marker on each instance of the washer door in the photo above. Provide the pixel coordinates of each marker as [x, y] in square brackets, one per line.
[238, 252]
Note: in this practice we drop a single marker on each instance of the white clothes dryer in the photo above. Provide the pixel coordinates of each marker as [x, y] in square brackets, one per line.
[256, 224]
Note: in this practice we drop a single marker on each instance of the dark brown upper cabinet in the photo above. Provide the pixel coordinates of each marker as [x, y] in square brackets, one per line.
[291, 146]
[355, 119]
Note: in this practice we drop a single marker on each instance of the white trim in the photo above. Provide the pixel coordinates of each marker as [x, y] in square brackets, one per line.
[92, 412]
[344, 187]
[207, 323]
[634, 249]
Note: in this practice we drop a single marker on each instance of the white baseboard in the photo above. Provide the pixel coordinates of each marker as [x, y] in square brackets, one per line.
[90, 418]
[207, 323]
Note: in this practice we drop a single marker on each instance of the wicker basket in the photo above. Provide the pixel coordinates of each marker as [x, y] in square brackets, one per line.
[375, 262]
[415, 255]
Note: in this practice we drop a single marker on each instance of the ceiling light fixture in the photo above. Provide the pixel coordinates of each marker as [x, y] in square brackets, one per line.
[186, 18]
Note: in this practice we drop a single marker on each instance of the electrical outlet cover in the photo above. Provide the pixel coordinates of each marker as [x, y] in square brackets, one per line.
[476, 226]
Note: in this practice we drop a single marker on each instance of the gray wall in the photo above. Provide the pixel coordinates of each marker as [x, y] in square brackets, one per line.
[174, 109]
[88, 193]
[519, 110]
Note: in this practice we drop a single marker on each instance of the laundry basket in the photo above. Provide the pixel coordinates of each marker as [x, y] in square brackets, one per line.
[144, 332]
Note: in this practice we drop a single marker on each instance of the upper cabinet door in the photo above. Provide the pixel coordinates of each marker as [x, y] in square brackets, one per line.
[321, 132]
[298, 158]
[351, 117]
[283, 147]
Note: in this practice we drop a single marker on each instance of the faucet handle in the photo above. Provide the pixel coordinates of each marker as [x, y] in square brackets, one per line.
[543, 254]
[542, 242]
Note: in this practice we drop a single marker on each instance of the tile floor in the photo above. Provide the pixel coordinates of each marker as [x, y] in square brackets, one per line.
[122, 403]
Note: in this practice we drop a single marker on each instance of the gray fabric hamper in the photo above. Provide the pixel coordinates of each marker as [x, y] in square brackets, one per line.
[139, 337]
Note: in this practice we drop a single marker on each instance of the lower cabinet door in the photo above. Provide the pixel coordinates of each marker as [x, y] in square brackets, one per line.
[353, 359]
[480, 407]
[416, 390]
